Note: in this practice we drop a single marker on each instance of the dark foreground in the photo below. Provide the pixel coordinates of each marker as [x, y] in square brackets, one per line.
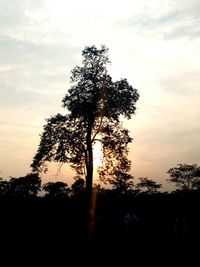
[44, 232]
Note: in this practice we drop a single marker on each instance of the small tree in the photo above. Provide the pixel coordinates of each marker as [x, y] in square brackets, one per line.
[95, 106]
[185, 176]
[56, 189]
[78, 186]
[26, 186]
[4, 187]
[147, 185]
[120, 180]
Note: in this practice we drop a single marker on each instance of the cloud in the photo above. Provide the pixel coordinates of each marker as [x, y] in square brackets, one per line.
[167, 19]
[12, 14]
[33, 72]
[186, 85]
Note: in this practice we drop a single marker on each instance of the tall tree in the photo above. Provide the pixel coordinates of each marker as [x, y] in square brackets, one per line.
[185, 176]
[95, 106]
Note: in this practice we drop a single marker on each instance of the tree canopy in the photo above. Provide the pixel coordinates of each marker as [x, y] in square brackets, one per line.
[26, 186]
[185, 176]
[95, 104]
[147, 185]
[56, 189]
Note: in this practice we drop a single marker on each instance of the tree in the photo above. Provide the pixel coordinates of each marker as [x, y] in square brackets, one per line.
[27, 186]
[147, 185]
[185, 176]
[56, 189]
[120, 179]
[4, 187]
[95, 106]
[78, 186]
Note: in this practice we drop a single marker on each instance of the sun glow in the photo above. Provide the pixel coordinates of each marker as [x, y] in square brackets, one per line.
[97, 155]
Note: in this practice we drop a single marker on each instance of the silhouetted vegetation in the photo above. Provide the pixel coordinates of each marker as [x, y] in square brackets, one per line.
[127, 222]
[147, 185]
[186, 176]
[21, 187]
[78, 187]
[95, 105]
[56, 189]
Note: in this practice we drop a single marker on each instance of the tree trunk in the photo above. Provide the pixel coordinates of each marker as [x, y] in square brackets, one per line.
[90, 209]
[89, 159]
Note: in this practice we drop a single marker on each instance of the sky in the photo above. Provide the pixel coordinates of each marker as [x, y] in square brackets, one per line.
[154, 44]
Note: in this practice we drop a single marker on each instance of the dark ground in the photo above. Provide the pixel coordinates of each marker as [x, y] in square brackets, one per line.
[43, 232]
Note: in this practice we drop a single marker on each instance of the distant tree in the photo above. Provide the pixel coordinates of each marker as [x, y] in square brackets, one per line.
[120, 180]
[147, 185]
[56, 189]
[95, 106]
[78, 186]
[26, 186]
[185, 176]
[98, 188]
[4, 187]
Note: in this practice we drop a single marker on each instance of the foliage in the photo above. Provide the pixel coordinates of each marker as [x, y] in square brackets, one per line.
[56, 189]
[4, 187]
[78, 186]
[95, 105]
[120, 179]
[27, 186]
[185, 176]
[147, 185]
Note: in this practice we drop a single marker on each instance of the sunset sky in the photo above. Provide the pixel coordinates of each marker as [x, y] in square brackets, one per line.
[154, 44]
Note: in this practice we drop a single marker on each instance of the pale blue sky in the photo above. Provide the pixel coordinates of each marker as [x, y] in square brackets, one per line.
[154, 44]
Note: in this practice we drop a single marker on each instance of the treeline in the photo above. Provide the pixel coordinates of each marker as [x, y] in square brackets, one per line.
[52, 228]
[186, 178]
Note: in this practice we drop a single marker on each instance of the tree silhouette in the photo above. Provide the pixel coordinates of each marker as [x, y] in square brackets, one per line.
[120, 179]
[4, 187]
[78, 186]
[56, 189]
[27, 186]
[147, 185]
[95, 106]
[185, 176]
